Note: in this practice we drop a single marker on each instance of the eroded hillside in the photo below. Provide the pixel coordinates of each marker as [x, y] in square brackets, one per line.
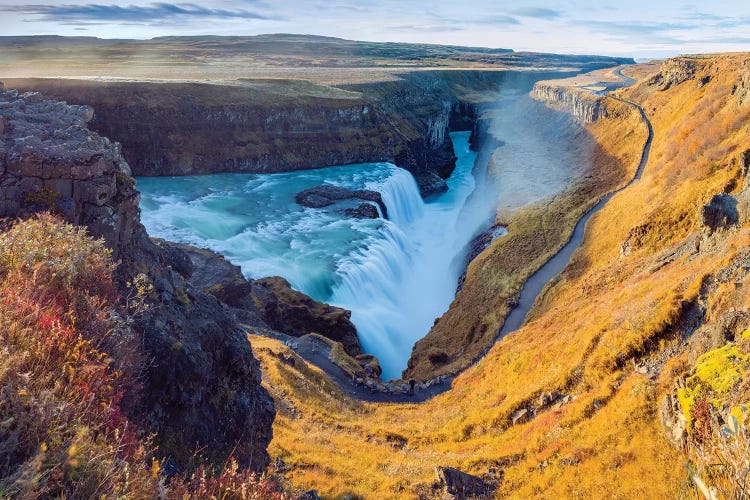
[569, 405]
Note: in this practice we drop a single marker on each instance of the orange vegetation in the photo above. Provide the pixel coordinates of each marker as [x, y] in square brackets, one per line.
[609, 152]
[66, 357]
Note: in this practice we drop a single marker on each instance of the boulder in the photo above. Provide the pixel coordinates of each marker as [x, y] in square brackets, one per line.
[546, 399]
[328, 194]
[721, 212]
[460, 485]
[520, 416]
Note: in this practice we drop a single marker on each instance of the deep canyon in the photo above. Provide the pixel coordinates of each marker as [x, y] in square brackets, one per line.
[203, 248]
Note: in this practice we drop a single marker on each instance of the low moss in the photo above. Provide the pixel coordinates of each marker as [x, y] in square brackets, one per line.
[715, 376]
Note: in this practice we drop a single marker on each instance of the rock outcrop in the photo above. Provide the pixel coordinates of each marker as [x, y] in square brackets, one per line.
[742, 87]
[582, 105]
[672, 73]
[296, 314]
[269, 302]
[50, 161]
[721, 212]
[460, 485]
[328, 194]
[200, 392]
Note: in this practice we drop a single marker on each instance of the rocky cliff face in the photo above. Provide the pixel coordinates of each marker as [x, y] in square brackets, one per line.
[183, 129]
[672, 73]
[583, 106]
[201, 388]
[49, 160]
[742, 87]
[269, 303]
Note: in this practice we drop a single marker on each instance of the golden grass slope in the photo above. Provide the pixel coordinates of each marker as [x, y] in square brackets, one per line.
[611, 148]
[605, 313]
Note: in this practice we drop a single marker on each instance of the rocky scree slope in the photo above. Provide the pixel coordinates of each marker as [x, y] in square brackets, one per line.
[281, 125]
[201, 388]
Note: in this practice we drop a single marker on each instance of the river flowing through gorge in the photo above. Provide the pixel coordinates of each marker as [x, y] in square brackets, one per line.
[396, 276]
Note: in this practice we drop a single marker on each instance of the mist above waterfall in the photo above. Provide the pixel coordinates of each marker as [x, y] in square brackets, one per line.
[541, 151]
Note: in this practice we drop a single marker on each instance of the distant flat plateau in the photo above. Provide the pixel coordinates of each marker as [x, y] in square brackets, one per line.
[229, 60]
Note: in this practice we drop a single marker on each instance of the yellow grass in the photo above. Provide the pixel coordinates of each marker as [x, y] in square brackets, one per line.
[535, 233]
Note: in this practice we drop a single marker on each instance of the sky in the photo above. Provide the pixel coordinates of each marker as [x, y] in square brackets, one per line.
[639, 28]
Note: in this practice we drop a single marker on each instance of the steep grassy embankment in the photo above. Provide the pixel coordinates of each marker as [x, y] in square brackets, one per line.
[607, 153]
[658, 281]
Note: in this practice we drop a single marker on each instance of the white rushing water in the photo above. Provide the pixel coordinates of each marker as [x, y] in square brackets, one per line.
[396, 276]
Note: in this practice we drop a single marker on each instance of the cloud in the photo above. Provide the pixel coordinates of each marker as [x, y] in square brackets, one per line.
[415, 28]
[132, 13]
[495, 20]
[634, 27]
[722, 40]
[446, 24]
[640, 32]
[537, 12]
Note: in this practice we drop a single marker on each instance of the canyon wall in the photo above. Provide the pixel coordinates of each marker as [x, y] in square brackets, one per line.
[582, 105]
[273, 126]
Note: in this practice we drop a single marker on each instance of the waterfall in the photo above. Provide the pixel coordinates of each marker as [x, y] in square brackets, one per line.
[395, 275]
[401, 196]
[404, 278]
[372, 280]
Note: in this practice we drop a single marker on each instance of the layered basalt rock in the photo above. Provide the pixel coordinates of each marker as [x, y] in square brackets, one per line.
[278, 126]
[50, 161]
[582, 105]
[201, 390]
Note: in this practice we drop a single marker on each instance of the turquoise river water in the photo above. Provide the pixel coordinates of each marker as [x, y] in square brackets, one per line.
[396, 275]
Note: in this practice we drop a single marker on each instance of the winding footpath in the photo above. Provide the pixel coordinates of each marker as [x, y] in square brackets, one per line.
[531, 289]
[555, 265]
